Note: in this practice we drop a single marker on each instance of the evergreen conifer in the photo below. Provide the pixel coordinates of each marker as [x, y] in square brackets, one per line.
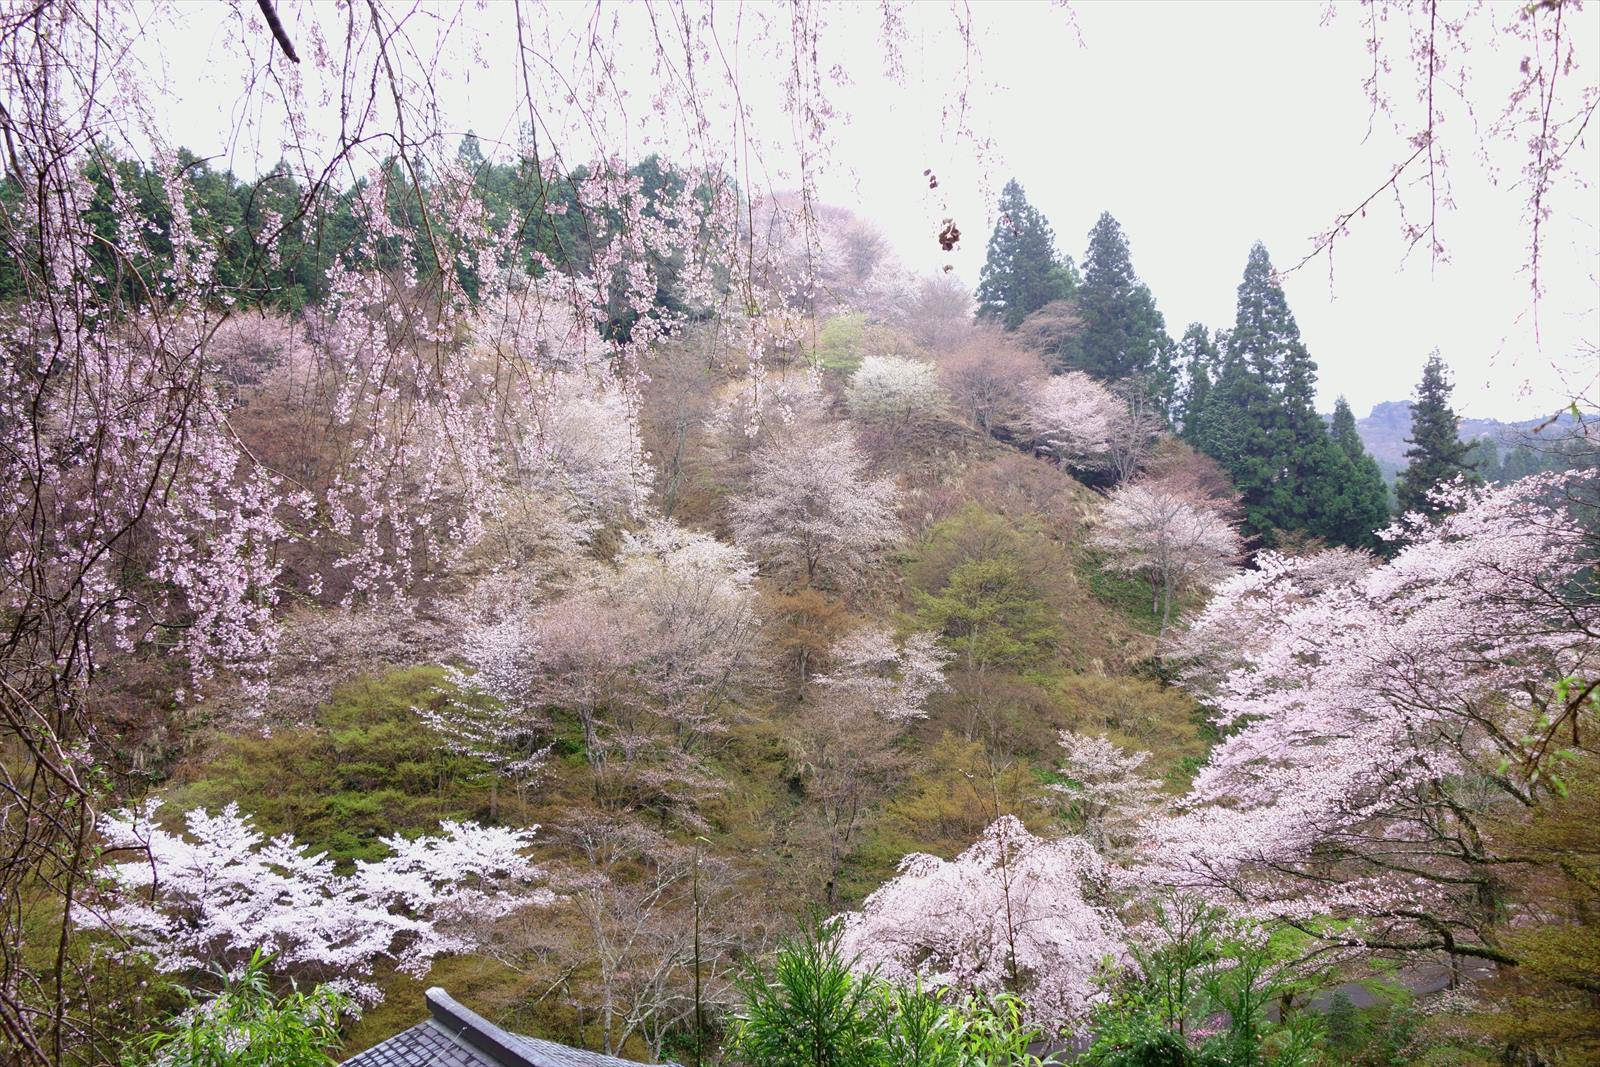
[1437, 453]
[1023, 272]
[1202, 362]
[1260, 423]
[1364, 508]
[1233, 429]
[1124, 335]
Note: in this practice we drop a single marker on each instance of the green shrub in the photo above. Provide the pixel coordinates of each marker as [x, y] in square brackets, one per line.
[246, 1025]
[839, 342]
[1198, 997]
[816, 1011]
[812, 1011]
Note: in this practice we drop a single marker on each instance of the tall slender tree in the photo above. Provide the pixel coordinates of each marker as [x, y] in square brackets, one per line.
[1023, 272]
[1437, 453]
[1123, 333]
[1260, 422]
[1264, 329]
[1266, 339]
[1364, 503]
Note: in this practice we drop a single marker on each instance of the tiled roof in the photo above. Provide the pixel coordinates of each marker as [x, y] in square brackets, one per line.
[454, 1036]
[424, 1045]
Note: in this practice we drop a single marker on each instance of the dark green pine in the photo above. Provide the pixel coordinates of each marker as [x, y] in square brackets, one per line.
[1264, 329]
[1437, 453]
[1364, 506]
[1245, 426]
[1233, 429]
[1260, 423]
[1124, 335]
[1164, 382]
[1023, 272]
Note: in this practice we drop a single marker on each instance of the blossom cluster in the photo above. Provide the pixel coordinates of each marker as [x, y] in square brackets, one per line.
[214, 895]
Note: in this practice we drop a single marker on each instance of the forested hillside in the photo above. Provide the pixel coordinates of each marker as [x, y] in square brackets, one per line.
[632, 598]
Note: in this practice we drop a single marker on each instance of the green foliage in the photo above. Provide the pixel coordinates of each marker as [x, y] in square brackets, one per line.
[1522, 459]
[1364, 505]
[1199, 998]
[1128, 593]
[814, 1011]
[1201, 359]
[1123, 334]
[365, 769]
[1234, 428]
[272, 253]
[1382, 1036]
[246, 1025]
[839, 342]
[926, 1028]
[962, 788]
[1131, 1031]
[975, 580]
[1022, 273]
[990, 616]
[1343, 1024]
[1437, 453]
[1547, 1004]
[811, 1012]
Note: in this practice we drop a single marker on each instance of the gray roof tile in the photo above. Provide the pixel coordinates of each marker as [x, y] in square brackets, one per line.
[423, 1045]
[455, 1036]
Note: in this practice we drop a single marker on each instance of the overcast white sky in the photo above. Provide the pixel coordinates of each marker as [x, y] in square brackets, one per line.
[1202, 128]
[1205, 127]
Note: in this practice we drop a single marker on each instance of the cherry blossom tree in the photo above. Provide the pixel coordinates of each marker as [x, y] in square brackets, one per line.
[697, 598]
[216, 895]
[756, 410]
[856, 266]
[1074, 418]
[812, 513]
[144, 524]
[938, 312]
[1012, 913]
[892, 681]
[834, 260]
[1380, 716]
[491, 708]
[1133, 437]
[848, 760]
[1426, 76]
[536, 539]
[652, 912]
[585, 448]
[140, 516]
[1241, 619]
[1111, 797]
[587, 646]
[1178, 543]
[895, 394]
[844, 741]
[667, 630]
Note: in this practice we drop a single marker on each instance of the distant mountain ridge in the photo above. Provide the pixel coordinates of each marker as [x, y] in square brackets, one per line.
[1385, 429]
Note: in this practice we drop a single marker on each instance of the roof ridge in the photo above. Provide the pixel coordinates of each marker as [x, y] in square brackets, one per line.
[469, 1028]
[455, 1035]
